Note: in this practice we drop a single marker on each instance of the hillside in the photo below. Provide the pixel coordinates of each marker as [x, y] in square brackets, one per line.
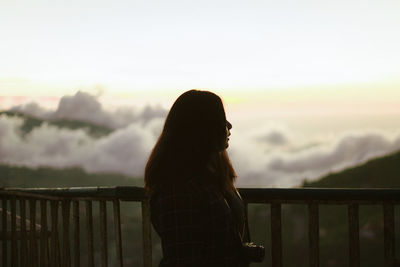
[31, 122]
[11, 176]
[382, 172]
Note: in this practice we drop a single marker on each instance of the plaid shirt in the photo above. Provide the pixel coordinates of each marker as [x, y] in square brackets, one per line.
[196, 226]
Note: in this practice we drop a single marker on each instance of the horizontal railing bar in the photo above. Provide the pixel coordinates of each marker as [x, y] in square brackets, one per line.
[321, 202]
[251, 195]
[122, 192]
[22, 194]
[319, 195]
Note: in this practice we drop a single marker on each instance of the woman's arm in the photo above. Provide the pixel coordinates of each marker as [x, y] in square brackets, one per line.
[181, 228]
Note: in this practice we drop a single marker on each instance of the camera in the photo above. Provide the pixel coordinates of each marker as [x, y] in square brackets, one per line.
[252, 252]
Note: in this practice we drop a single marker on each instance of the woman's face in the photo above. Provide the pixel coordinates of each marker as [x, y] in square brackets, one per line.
[228, 133]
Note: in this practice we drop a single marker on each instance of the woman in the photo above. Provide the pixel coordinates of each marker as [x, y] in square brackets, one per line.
[195, 207]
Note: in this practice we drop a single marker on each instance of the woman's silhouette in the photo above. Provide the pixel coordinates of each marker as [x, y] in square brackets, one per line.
[195, 207]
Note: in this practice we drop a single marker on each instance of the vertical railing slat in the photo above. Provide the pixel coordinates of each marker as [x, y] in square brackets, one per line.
[313, 234]
[276, 234]
[4, 229]
[66, 259]
[354, 235]
[103, 233]
[76, 234]
[32, 233]
[14, 248]
[24, 239]
[117, 230]
[54, 251]
[247, 227]
[89, 228]
[43, 234]
[146, 228]
[389, 234]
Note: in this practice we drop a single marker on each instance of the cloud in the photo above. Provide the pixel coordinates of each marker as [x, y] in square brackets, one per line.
[123, 151]
[86, 107]
[350, 149]
[290, 167]
[263, 157]
[274, 137]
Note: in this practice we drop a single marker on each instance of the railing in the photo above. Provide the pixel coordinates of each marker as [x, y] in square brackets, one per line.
[37, 242]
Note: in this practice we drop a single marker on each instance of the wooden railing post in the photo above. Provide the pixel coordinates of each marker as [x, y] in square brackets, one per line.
[117, 232]
[89, 229]
[313, 234]
[14, 249]
[276, 234]
[147, 249]
[23, 243]
[66, 255]
[4, 230]
[354, 236]
[54, 241]
[76, 240]
[32, 233]
[389, 234]
[103, 234]
[247, 227]
[44, 260]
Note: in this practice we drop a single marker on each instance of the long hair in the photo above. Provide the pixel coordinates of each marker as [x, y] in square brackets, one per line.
[193, 136]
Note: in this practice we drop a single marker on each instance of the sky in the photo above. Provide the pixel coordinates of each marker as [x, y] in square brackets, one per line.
[53, 47]
[299, 79]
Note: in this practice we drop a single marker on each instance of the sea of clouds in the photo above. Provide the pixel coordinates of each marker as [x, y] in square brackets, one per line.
[267, 156]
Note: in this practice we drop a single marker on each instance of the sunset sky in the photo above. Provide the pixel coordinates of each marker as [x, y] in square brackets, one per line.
[318, 70]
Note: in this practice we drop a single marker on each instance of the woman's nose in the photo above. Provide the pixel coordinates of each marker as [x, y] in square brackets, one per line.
[228, 125]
